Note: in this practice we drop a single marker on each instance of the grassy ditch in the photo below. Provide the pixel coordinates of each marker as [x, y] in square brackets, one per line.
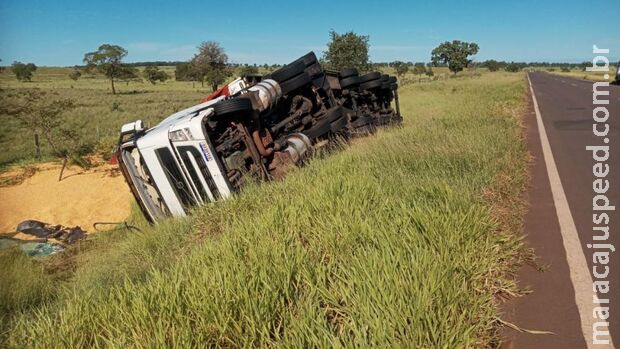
[404, 239]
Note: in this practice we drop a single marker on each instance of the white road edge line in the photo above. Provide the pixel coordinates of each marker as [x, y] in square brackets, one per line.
[579, 272]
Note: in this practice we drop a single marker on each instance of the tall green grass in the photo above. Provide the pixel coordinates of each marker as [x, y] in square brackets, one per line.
[403, 239]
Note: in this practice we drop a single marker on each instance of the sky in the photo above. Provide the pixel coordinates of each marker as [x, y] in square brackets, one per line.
[58, 33]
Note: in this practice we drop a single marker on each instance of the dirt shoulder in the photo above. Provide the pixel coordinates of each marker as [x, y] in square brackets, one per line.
[81, 198]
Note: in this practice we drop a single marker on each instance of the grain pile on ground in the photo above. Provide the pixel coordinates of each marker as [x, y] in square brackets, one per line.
[80, 199]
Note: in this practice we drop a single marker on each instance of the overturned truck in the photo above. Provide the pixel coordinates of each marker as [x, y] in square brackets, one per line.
[254, 128]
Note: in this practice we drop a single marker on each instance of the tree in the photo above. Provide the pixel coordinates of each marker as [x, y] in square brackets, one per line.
[128, 74]
[455, 54]
[43, 114]
[248, 70]
[185, 72]
[401, 68]
[154, 74]
[23, 72]
[347, 50]
[513, 67]
[75, 75]
[1, 67]
[491, 64]
[107, 60]
[211, 64]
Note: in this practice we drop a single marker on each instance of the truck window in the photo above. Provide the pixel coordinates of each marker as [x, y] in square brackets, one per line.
[175, 178]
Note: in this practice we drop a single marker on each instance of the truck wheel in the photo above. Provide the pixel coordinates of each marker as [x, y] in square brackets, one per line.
[361, 121]
[320, 129]
[370, 77]
[295, 83]
[371, 84]
[308, 59]
[288, 71]
[350, 82]
[348, 72]
[338, 125]
[334, 114]
[235, 105]
[314, 69]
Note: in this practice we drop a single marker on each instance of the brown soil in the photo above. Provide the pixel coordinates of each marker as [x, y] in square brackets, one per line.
[82, 198]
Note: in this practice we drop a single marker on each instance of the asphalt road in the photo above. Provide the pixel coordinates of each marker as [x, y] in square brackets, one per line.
[566, 107]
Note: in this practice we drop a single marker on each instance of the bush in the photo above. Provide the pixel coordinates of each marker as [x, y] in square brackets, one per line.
[248, 70]
[75, 75]
[154, 74]
[513, 68]
[23, 72]
[105, 147]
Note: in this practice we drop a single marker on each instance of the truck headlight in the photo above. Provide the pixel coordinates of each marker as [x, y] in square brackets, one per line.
[180, 135]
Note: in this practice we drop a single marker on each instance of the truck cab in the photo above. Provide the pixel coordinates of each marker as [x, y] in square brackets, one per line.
[172, 167]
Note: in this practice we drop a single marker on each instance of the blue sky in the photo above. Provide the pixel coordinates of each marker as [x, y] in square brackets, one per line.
[60, 32]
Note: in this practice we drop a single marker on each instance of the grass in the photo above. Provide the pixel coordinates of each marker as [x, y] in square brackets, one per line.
[98, 115]
[403, 239]
[586, 75]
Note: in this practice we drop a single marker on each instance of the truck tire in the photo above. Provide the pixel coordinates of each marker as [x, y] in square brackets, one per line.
[235, 105]
[334, 114]
[314, 69]
[295, 83]
[338, 125]
[348, 72]
[351, 81]
[308, 59]
[370, 77]
[288, 71]
[321, 128]
[362, 121]
[371, 84]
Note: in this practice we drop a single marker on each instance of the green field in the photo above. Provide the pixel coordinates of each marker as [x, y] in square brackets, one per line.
[99, 114]
[404, 239]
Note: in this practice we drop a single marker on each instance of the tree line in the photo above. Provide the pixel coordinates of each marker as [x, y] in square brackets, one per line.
[210, 64]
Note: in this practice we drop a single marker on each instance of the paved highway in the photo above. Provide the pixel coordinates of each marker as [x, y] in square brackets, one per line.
[559, 223]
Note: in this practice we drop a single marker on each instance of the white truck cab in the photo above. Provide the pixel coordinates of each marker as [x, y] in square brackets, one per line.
[172, 166]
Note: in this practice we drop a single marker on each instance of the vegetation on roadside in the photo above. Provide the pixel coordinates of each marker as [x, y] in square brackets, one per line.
[405, 239]
[455, 54]
[108, 60]
[347, 50]
[23, 71]
[210, 64]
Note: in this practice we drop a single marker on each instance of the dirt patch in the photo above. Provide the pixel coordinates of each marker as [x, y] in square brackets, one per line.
[16, 175]
[81, 198]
